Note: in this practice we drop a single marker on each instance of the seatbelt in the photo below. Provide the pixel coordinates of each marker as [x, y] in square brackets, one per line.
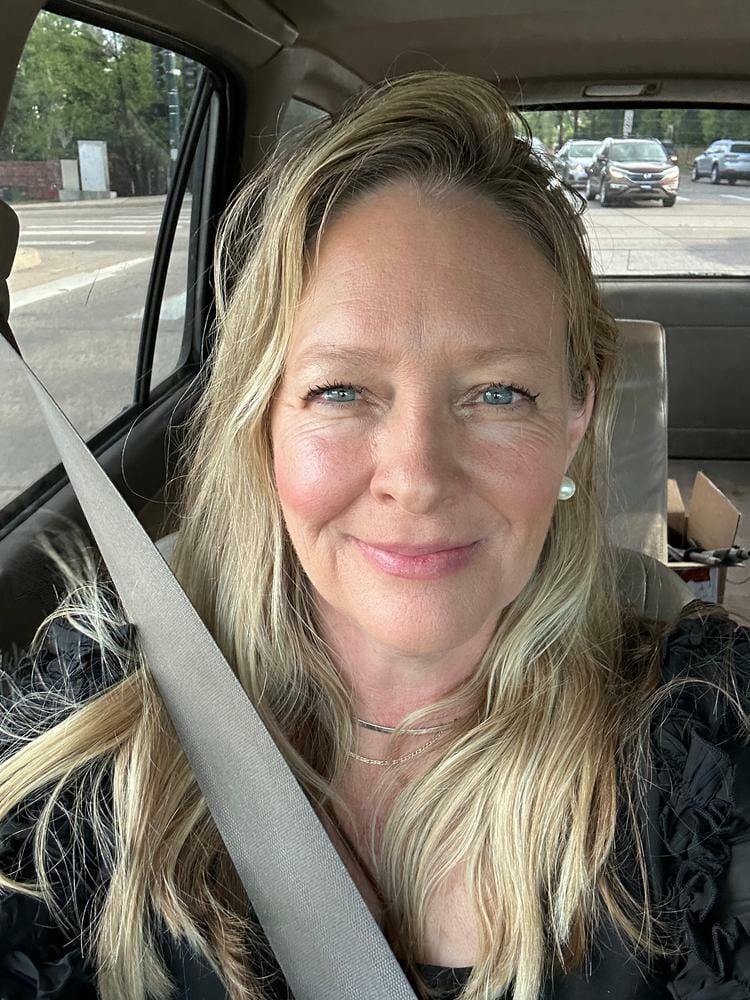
[324, 937]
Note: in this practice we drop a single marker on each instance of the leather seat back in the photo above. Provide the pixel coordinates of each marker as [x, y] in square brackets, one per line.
[638, 517]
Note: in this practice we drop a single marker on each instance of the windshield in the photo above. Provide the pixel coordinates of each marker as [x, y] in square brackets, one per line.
[582, 149]
[651, 152]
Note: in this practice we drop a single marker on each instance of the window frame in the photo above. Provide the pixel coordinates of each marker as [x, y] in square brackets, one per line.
[215, 99]
[197, 120]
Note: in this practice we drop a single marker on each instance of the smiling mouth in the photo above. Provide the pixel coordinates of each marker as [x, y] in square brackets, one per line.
[417, 548]
[423, 565]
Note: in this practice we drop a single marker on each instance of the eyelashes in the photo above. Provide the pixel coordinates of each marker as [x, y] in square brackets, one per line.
[317, 391]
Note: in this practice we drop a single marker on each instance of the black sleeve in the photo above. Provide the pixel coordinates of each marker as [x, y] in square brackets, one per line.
[37, 958]
[702, 771]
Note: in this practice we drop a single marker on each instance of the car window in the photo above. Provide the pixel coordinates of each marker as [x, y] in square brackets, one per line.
[89, 147]
[583, 148]
[299, 114]
[691, 217]
[648, 152]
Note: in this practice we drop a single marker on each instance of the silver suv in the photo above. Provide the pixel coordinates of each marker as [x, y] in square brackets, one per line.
[724, 160]
[571, 161]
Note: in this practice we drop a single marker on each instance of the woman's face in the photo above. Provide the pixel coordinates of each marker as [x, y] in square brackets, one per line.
[424, 403]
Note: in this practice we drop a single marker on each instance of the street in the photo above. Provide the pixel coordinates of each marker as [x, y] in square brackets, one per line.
[706, 232]
[77, 294]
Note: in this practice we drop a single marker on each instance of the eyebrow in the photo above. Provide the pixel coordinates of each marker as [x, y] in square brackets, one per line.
[336, 353]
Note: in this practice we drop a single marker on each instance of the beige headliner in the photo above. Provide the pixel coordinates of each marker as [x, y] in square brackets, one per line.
[538, 50]
[530, 38]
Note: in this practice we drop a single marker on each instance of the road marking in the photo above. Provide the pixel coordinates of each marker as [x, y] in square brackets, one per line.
[74, 231]
[29, 296]
[154, 217]
[172, 307]
[56, 243]
[737, 197]
[682, 197]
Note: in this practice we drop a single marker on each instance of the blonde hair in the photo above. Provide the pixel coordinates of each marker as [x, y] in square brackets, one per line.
[526, 794]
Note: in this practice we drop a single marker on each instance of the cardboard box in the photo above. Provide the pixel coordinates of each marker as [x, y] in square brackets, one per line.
[711, 522]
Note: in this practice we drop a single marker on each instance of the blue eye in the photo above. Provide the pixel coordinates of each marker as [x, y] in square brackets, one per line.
[499, 395]
[502, 395]
[334, 393]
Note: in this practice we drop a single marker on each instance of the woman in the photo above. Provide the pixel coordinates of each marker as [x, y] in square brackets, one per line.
[392, 523]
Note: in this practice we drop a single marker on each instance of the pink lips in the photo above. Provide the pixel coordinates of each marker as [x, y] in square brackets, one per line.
[419, 566]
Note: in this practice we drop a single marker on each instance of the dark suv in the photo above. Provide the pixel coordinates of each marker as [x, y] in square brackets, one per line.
[631, 169]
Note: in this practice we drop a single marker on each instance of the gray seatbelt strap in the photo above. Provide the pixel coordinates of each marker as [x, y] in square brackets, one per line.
[323, 935]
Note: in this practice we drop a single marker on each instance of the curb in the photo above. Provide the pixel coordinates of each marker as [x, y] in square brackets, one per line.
[26, 257]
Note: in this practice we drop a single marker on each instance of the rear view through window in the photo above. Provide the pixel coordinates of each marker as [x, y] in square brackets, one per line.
[632, 164]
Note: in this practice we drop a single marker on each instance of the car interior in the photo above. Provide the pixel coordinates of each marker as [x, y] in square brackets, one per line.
[263, 71]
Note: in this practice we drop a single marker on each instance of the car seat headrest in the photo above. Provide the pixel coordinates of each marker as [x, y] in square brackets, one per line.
[9, 229]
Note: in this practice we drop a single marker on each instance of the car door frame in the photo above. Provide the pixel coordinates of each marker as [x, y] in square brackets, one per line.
[141, 470]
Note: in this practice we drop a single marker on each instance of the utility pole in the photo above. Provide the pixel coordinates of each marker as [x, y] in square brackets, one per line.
[173, 103]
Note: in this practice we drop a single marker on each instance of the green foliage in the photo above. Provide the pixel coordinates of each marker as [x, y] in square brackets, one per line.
[721, 124]
[75, 82]
[684, 126]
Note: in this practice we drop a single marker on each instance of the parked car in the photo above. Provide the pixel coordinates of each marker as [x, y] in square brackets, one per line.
[630, 169]
[571, 160]
[724, 160]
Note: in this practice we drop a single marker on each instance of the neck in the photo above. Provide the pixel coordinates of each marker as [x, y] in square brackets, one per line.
[389, 684]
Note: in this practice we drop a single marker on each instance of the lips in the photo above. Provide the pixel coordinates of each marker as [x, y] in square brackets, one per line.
[418, 549]
[415, 561]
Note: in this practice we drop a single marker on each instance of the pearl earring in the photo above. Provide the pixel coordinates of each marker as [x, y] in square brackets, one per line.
[567, 488]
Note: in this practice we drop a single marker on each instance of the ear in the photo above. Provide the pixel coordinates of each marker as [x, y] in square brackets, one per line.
[578, 422]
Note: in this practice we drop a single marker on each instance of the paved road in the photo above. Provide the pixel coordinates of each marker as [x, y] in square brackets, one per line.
[79, 285]
[707, 232]
[77, 295]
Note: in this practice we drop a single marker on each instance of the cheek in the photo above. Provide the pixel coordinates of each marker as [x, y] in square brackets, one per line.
[521, 473]
[317, 474]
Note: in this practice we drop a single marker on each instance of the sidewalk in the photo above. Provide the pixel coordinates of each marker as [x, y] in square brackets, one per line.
[109, 203]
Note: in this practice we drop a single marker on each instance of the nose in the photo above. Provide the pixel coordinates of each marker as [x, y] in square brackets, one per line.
[416, 458]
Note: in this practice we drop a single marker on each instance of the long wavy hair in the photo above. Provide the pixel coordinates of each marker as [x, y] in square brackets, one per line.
[537, 795]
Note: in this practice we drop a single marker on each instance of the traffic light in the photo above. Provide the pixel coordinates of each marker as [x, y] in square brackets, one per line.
[190, 72]
[159, 61]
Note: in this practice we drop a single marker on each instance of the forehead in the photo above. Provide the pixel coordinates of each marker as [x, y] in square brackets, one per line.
[402, 270]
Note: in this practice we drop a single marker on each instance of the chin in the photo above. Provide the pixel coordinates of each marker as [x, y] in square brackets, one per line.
[423, 632]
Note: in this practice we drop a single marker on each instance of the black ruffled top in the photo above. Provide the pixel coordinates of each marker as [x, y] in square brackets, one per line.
[698, 841]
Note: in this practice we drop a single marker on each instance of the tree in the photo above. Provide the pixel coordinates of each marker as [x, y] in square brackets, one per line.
[685, 126]
[57, 94]
[76, 81]
[722, 124]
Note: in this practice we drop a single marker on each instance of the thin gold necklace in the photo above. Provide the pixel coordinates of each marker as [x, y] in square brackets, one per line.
[377, 728]
[398, 760]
